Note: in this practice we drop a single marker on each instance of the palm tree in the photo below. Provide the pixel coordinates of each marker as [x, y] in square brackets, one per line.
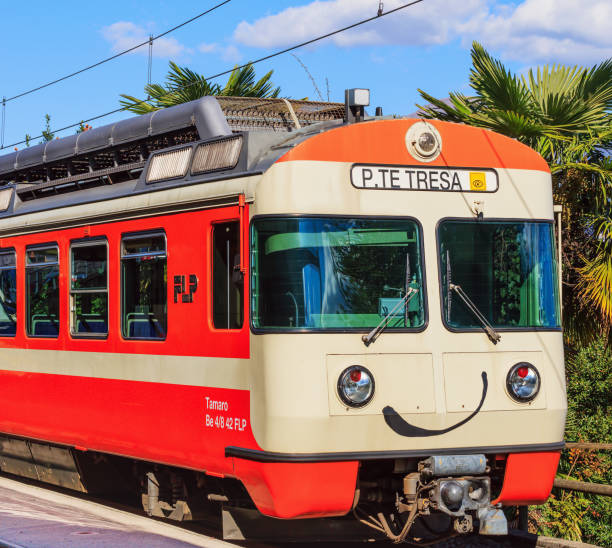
[565, 114]
[556, 102]
[183, 85]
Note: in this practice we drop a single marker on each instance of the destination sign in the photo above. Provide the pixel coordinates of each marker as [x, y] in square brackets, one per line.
[390, 177]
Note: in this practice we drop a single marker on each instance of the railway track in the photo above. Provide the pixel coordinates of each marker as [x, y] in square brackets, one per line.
[33, 515]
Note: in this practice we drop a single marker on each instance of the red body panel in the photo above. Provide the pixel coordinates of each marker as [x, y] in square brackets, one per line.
[529, 478]
[172, 424]
[190, 328]
[298, 490]
[167, 423]
[150, 421]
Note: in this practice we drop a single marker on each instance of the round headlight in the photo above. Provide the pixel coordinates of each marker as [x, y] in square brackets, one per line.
[356, 386]
[523, 382]
[423, 141]
[426, 143]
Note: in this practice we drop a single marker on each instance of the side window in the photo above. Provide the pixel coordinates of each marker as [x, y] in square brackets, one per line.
[42, 291]
[227, 279]
[8, 294]
[89, 288]
[143, 286]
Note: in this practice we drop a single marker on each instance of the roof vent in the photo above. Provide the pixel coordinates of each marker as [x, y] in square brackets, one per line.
[217, 156]
[169, 165]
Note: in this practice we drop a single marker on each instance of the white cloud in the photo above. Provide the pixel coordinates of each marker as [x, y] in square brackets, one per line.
[547, 30]
[208, 48]
[124, 34]
[430, 22]
[564, 31]
[230, 53]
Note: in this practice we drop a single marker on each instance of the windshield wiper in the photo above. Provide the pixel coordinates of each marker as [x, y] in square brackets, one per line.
[373, 335]
[492, 334]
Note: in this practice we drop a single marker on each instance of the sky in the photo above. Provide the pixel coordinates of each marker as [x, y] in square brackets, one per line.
[424, 46]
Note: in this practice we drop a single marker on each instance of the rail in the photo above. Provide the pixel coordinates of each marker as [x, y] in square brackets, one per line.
[584, 486]
[593, 446]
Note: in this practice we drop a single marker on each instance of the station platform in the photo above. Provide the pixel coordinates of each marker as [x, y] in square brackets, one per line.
[35, 517]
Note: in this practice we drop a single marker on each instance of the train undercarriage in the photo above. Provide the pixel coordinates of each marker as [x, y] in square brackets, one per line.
[414, 500]
[439, 496]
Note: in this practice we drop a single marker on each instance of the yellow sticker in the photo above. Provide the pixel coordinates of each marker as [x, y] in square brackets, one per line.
[478, 180]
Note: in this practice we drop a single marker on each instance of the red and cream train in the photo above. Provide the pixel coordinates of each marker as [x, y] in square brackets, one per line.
[288, 308]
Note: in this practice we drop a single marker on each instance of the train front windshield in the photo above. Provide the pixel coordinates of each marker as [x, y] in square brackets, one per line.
[507, 269]
[313, 273]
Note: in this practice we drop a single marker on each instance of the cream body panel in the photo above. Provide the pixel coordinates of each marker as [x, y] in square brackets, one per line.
[292, 398]
[461, 368]
[183, 370]
[324, 188]
[293, 402]
[412, 391]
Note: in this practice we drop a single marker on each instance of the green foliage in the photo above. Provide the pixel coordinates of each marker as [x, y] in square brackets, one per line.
[589, 390]
[183, 85]
[507, 275]
[554, 102]
[83, 127]
[47, 134]
[573, 515]
[562, 517]
[565, 114]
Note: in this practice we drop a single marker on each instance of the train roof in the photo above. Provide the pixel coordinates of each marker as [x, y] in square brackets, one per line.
[224, 138]
[113, 160]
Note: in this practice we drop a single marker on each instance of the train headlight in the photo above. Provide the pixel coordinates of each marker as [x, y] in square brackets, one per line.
[426, 143]
[523, 382]
[356, 386]
[423, 141]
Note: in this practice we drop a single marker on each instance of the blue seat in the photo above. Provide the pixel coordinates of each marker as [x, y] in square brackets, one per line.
[88, 325]
[45, 328]
[145, 327]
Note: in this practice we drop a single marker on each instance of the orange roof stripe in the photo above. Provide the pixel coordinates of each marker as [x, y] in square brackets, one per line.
[383, 142]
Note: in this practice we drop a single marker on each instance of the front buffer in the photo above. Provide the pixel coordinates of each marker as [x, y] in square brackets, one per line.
[401, 498]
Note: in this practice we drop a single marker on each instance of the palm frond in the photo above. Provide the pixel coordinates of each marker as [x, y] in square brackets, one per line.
[498, 86]
[183, 85]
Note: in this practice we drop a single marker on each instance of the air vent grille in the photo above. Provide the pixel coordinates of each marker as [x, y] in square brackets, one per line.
[169, 165]
[218, 155]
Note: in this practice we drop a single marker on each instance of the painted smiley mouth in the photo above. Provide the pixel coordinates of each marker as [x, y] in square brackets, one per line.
[403, 428]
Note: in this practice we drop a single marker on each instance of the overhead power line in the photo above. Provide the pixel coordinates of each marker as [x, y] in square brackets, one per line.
[265, 58]
[149, 40]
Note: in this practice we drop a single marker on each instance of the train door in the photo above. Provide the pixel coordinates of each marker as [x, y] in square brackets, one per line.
[227, 270]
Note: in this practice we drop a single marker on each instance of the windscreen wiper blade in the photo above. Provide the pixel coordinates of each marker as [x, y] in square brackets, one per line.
[492, 334]
[373, 335]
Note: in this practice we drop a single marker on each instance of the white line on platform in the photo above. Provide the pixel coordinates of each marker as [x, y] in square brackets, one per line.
[112, 514]
[7, 544]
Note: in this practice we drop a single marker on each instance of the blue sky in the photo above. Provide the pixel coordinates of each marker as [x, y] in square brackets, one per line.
[425, 46]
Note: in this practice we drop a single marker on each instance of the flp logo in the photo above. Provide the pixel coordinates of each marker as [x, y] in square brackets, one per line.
[478, 181]
[181, 289]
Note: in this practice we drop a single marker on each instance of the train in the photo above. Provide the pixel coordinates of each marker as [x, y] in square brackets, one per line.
[312, 320]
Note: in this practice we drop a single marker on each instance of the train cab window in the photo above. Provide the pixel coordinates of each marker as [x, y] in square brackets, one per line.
[228, 304]
[89, 288]
[42, 291]
[144, 281]
[508, 270]
[8, 294]
[336, 273]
